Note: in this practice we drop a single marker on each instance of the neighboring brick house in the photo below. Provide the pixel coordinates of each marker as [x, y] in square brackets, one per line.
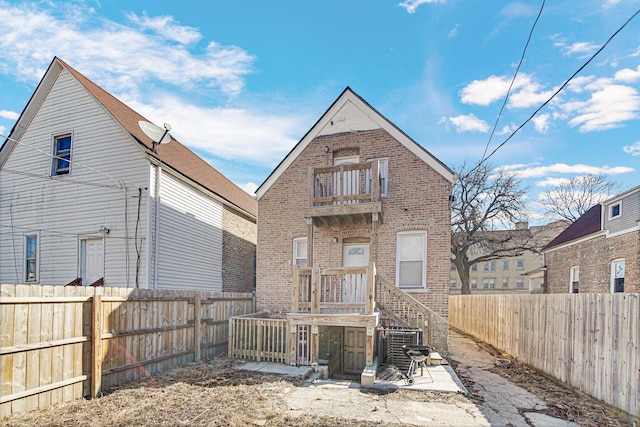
[355, 190]
[600, 251]
[86, 199]
[511, 274]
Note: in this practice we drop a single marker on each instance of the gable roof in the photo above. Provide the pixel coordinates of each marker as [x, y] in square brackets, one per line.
[173, 154]
[588, 223]
[369, 118]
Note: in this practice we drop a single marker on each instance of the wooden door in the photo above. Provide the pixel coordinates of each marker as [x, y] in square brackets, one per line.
[355, 356]
[354, 287]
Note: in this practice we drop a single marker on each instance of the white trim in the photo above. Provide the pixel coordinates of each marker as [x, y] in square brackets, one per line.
[621, 232]
[36, 279]
[294, 252]
[572, 276]
[384, 190]
[610, 209]
[612, 273]
[576, 241]
[423, 234]
[383, 123]
[54, 153]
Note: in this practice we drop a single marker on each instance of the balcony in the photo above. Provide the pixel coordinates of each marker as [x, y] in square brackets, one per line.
[345, 192]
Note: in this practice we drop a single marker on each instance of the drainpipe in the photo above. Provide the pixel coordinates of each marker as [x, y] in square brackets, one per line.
[157, 227]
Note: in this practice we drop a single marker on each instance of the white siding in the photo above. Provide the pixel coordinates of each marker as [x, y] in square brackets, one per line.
[65, 209]
[630, 213]
[190, 237]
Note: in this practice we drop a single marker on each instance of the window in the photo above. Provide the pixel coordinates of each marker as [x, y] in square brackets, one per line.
[31, 258]
[520, 265]
[474, 267]
[617, 276]
[453, 267]
[383, 170]
[490, 266]
[452, 283]
[505, 265]
[574, 279]
[411, 269]
[615, 210]
[61, 155]
[300, 252]
[519, 283]
[474, 283]
[505, 282]
[492, 283]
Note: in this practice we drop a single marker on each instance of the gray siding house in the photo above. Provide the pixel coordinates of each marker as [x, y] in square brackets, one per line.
[85, 198]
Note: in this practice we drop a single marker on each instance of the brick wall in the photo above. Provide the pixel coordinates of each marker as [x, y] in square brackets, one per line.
[418, 200]
[594, 257]
[239, 238]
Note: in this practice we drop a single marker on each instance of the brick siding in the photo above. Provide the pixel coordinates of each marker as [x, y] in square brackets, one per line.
[239, 239]
[594, 257]
[418, 200]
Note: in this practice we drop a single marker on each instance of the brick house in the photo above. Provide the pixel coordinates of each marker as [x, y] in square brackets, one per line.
[600, 251]
[352, 223]
[86, 198]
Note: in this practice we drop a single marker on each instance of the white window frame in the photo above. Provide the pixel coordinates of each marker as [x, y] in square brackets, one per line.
[423, 258]
[474, 284]
[613, 273]
[505, 265]
[297, 241]
[519, 283]
[574, 276]
[383, 170]
[505, 282]
[36, 258]
[613, 205]
[55, 154]
[520, 264]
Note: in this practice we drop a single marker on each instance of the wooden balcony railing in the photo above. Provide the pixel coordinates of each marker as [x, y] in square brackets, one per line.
[337, 290]
[344, 189]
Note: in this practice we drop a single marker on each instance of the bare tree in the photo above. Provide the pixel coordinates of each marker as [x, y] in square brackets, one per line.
[484, 201]
[571, 198]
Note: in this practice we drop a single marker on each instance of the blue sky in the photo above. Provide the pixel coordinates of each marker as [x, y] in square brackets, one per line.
[242, 82]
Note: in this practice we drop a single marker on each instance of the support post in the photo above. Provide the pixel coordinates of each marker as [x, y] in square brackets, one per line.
[295, 294]
[374, 237]
[197, 329]
[309, 242]
[371, 288]
[315, 288]
[96, 346]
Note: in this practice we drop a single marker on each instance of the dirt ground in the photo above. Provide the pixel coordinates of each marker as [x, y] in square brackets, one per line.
[213, 393]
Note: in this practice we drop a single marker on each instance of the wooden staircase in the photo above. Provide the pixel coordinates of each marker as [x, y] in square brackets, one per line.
[408, 311]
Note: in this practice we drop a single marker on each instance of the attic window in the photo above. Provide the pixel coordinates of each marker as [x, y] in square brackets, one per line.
[61, 160]
[615, 210]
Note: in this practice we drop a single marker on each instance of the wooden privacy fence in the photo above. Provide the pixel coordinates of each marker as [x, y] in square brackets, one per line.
[590, 341]
[62, 343]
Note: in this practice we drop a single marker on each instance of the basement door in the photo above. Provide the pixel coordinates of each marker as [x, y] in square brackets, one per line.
[92, 267]
[355, 358]
[354, 287]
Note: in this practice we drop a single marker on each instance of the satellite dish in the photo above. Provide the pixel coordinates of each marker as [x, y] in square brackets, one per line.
[157, 134]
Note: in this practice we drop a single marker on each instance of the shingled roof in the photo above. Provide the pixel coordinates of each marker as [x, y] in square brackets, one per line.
[173, 154]
[588, 223]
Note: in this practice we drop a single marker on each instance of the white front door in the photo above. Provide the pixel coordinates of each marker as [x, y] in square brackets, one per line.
[92, 260]
[354, 286]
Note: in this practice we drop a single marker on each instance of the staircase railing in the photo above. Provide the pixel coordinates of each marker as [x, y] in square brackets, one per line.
[408, 311]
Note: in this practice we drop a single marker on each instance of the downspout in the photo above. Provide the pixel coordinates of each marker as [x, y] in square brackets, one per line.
[157, 227]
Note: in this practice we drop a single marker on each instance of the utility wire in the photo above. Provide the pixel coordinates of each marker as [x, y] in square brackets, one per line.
[559, 90]
[118, 182]
[506, 98]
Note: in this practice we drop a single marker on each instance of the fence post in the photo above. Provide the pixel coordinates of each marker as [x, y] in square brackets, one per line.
[232, 337]
[259, 325]
[315, 289]
[197, 331]
[96, 346]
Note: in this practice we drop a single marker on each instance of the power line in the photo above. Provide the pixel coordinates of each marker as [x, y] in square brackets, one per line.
[53, 178]
[559, 89]
[119, 182]
[506, 98]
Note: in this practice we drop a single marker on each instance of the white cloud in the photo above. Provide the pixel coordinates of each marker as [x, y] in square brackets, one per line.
[454, 31]
[608, 106]
[525, 92]
[166, 27]
[243, 135]
[552, 182]
[412, 5]
[633, 149]
[627, 75]
[469, 123]
[249, 187]
[541, 122]
[108, 51]
[9, 115]
[563, 168]
[580, 48]
[484, 92]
